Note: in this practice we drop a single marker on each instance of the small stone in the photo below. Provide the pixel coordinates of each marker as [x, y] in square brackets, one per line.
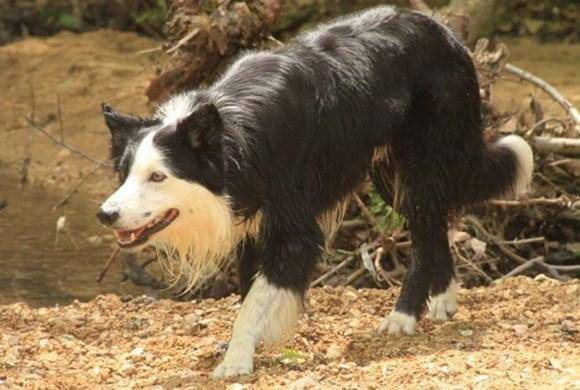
[466, 332]
[137, 354]
[520, 329]
[236, 386]
[568, 327]
[303, 384]
[351, 295]
[333, 352]
[191, 320]
[128, 369]
[573, 289]
[10, 340]
[480, 378]
[44, 343]
[542, 278]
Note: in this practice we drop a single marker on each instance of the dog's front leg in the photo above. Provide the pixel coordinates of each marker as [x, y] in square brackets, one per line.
[269, 313]
[274, 302]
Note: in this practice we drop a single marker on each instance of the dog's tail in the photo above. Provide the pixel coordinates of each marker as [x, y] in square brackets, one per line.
[504, 170]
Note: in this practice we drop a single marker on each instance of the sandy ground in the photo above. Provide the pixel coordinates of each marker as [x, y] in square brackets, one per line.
[520, 333]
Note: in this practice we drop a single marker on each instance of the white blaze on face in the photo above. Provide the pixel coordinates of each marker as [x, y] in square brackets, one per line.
[199, 240]
[139, 200]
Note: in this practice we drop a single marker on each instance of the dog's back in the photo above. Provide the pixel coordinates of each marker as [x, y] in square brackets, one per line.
[324, 103]
[283, 138]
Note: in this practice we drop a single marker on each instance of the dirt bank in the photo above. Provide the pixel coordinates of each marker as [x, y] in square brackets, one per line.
[521, 333]
[61, 82]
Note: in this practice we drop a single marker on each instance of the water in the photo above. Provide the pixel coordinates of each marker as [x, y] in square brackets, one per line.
[36, 270]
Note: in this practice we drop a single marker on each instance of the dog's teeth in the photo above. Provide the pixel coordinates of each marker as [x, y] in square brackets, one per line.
[133, 236]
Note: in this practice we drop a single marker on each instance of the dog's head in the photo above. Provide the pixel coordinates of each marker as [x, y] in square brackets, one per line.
[171, 175]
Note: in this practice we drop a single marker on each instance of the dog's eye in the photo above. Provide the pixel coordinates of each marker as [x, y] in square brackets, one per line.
[157, 177]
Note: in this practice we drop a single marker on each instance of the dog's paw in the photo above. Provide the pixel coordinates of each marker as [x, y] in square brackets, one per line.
[239, 365]
[397, 323]
[443, 306]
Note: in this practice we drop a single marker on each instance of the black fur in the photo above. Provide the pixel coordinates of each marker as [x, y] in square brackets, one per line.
[298, 128]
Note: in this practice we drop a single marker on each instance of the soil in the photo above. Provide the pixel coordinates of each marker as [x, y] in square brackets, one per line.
[61, 81]
[519, 333]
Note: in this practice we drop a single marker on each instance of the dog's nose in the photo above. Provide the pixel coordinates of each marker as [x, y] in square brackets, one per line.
[107, 217]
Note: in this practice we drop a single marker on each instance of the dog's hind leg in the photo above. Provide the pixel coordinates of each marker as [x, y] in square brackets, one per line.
[274, 301]
[431, 268]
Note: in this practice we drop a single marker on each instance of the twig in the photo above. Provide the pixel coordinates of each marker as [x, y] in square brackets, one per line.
[550, 90]
[59, 112]
[356, 275]
[148, 51]
[472, 264]
[387, 276]
[333, 270]
[541, 123]
[26, 159]
[366, 212]
[522, 267]
[488, 237]
[562, 201]
[73, 190]
[566, 146]
[76, 151]
[108, 264]
[524, 241]
[560, 162]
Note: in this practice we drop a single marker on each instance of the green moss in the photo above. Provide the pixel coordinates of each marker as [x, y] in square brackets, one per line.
[68, 22]
[153, 18]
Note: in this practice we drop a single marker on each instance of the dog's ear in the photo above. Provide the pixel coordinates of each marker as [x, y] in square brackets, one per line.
[202, 128]
[121, 126]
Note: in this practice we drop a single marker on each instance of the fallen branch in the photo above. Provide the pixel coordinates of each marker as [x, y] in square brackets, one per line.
[490, 238]
[565, 146]
[554, 270]
[550, 90]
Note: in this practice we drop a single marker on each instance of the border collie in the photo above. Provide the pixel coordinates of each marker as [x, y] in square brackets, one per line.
[259, 166]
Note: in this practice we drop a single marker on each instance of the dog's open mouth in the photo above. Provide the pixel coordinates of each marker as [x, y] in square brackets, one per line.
[135, 237]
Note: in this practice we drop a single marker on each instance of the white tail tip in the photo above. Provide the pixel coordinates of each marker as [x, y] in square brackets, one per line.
[525, 158]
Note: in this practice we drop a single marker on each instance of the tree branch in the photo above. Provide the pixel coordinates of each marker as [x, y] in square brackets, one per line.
[550, 90]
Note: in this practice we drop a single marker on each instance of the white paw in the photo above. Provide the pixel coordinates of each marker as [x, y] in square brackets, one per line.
[444, 306]
[397, 323]
[239, 365]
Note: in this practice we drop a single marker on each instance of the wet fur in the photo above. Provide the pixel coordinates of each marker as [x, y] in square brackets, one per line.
[285, 136]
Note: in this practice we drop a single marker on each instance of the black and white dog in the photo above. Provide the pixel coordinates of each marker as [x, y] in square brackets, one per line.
[260, 165]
